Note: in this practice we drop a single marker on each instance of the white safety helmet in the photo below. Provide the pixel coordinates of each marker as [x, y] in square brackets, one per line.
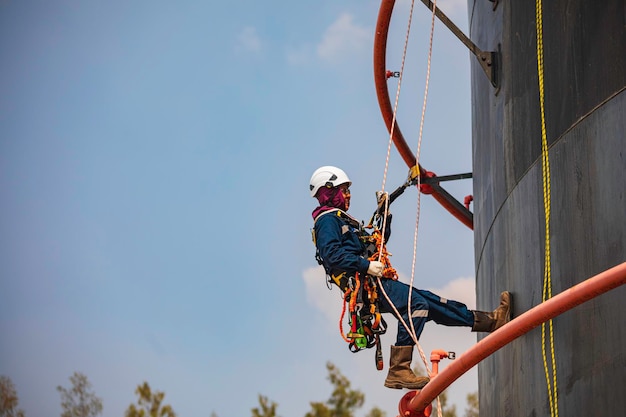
[327, 176]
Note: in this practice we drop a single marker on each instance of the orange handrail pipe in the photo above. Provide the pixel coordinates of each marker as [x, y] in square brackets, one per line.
[566, 300]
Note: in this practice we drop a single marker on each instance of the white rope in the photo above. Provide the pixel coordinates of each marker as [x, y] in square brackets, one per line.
[411, 329]
[395, 106]
[417, 158]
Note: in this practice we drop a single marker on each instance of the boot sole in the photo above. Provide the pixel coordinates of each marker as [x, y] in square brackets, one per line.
[399, 385]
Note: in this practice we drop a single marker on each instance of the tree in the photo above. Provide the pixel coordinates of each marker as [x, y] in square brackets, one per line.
[149, 404]
[375, 412]
[445, 410]
[343, 400]
[79, 400]
[9, 399]
[267, 409]
[472, 405]
[470, 411]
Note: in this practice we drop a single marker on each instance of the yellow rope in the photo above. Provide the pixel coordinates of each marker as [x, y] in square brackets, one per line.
[545, 167]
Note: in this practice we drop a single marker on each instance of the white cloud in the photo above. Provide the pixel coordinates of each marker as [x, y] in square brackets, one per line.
[343, 37]
[249, 39]
[460, 289]
[300, 56]
[319, 296]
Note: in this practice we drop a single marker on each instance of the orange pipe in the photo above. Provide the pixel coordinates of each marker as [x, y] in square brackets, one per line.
[568, 299]
[382, 92]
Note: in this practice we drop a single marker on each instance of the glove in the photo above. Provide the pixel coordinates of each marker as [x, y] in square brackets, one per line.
[375, 269]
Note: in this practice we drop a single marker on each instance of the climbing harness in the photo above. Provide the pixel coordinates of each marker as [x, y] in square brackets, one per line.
[361, 298]
[366, 322]
[360, 294]
[360, 291]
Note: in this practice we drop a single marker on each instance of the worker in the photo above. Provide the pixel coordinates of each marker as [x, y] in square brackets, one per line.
[340, 249]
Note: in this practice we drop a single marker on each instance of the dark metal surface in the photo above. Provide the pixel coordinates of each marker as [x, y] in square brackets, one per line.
[585, 109]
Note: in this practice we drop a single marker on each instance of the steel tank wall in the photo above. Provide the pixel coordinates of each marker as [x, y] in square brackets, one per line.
[585, 108]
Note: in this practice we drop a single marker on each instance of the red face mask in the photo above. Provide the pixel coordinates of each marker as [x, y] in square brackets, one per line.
[332, 197]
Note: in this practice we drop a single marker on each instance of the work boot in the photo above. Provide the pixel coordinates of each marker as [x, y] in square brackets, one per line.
[400, 374]
[489, 322]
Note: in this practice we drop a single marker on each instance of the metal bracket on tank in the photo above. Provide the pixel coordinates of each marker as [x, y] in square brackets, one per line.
[488, 60]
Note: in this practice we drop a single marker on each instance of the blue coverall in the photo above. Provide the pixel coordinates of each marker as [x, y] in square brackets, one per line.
[339, 246]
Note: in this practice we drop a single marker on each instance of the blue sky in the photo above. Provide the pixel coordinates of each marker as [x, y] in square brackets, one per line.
[154, 161]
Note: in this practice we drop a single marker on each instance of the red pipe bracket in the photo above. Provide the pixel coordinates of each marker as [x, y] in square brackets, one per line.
[406, 411]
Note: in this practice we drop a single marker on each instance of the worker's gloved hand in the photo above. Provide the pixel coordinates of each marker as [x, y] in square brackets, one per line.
[375, 269]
